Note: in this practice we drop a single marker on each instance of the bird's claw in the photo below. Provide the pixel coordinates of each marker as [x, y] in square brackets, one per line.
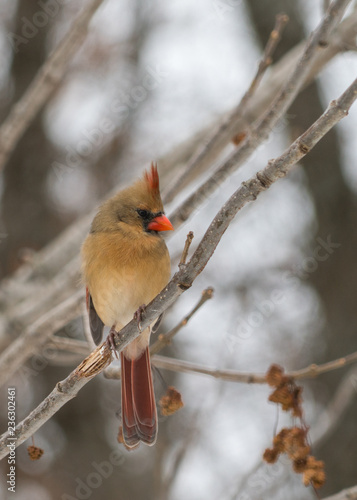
[138, 316]
[111, 341]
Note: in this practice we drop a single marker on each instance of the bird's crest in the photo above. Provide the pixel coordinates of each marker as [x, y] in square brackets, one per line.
[152, 179]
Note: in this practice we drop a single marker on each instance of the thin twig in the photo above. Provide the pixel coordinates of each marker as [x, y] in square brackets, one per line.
[311, 371]
[337, 406]
[46, 80]
[315, 370]
[276, 169]
[61, 358]
[101, 357]
[261, 130]
[52, 293]
[186, 249]
[210, 149]
[166, 338]
[31, 312]
[73, 346]
[275, 36]
[181, 366]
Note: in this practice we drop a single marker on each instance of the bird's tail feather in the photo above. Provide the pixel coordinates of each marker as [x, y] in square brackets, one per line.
[139, 416]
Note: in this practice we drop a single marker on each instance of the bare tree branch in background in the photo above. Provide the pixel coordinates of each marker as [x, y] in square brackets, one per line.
[261, 130]
[219, 137]
[239, 120]
[332, 415]
[311, 371]
[166, 339]
[99, 359]
[37, 334]
[42, 303]
[45, 82]
[50, 261]
[276, 168]
[47, 263]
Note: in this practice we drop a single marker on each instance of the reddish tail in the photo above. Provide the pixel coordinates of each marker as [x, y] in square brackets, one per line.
[139, 417]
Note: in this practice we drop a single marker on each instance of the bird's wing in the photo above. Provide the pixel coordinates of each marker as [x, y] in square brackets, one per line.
[95, 323]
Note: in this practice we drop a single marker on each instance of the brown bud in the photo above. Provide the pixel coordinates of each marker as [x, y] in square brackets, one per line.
[275, 375]
[271, 455]
[35, 453]
[171, 402]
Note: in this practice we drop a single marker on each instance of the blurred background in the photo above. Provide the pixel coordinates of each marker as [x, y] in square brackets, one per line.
[102, 126]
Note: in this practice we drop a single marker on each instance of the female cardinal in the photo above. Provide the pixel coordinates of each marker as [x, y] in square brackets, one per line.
[125, 265]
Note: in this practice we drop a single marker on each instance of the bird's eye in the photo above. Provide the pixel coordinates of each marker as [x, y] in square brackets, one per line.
[144, 214]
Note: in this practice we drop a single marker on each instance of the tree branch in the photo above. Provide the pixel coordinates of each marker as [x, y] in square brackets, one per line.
[312, 371]
[48, 76]
[188, 242]
[101, 357]
[331, 415]
[211, 149]
[72, 346]
[181, 366]
[267, 122]
[261, 130]
[31, 278]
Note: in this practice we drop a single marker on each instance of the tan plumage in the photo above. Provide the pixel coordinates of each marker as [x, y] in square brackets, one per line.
[125, 265]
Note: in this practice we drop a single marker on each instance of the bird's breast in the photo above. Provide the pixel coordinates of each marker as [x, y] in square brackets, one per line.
[123, 275]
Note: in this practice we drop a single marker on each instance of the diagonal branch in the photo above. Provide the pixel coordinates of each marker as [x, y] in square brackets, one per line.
[101, 357]
[332, 414]
[46, 80]
[261, 130]
[342, 39]
[269, 119]
[112, 372]
[210, 150]
[49, 262]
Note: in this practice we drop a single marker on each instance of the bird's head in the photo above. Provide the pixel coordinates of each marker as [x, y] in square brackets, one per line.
[135, 209]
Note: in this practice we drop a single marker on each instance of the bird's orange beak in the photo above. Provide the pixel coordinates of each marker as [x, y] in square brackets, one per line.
[160, 223]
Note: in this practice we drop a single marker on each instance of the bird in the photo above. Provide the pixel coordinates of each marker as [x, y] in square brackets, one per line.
[125, 264]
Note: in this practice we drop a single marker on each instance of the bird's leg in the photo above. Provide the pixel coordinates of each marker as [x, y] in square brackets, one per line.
[138, 316]
[111, 340]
